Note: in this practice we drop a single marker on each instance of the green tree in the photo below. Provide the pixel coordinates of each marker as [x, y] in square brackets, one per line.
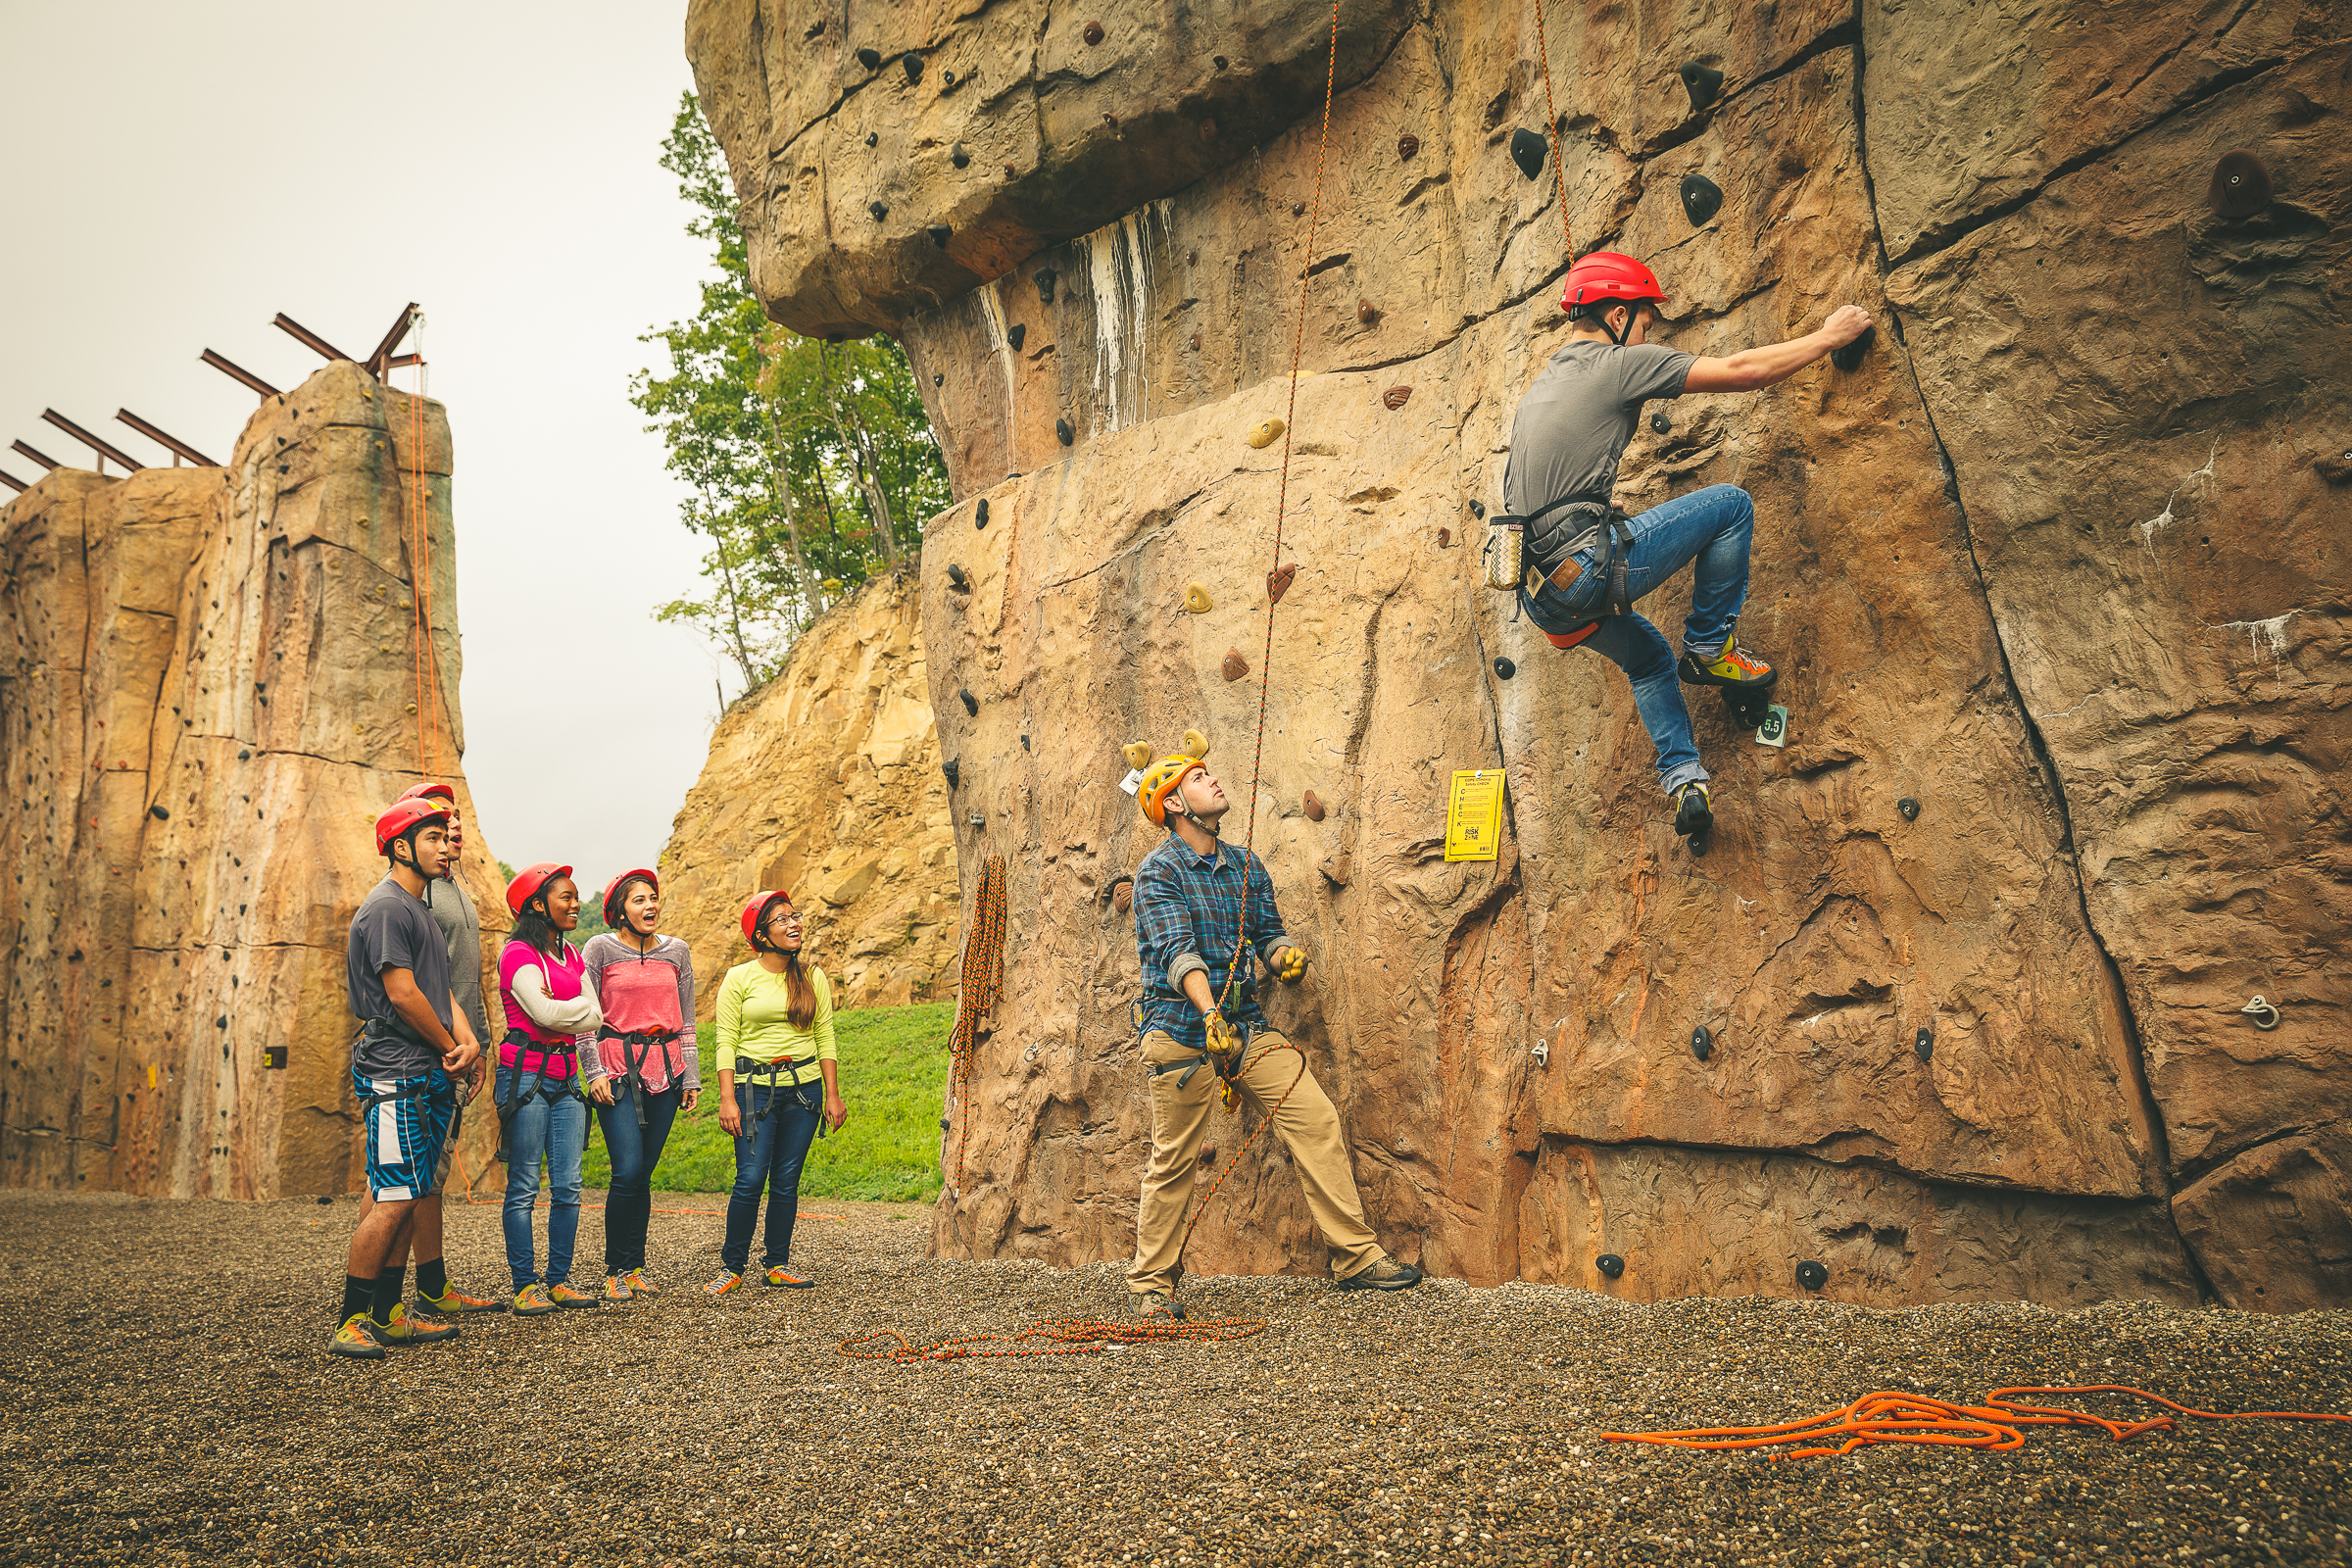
[810, 465]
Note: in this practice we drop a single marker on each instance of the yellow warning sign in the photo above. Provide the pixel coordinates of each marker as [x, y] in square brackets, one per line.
[1474, 815]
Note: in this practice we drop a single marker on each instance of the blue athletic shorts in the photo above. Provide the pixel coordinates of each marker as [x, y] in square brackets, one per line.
[406, 1133]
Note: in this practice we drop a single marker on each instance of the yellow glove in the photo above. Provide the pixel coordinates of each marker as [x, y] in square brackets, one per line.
[1223, 1039]
[1288, 964]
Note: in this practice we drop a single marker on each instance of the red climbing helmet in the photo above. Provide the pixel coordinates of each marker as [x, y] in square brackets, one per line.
[431, 790]
[755, 913]
[612, 893]
[529, 880]
[1608, 275]
[403, 815]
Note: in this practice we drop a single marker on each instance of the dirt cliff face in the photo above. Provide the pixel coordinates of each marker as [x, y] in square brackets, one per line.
[825, 783]
[211, 690]
[2060, 563]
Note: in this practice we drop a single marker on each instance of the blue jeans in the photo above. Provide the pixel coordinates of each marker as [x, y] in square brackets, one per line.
[770, 1151]
[559, 1132]
[1711, 527]
[635, 1152]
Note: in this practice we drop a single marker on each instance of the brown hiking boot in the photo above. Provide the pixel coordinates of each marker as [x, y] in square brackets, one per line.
[1157, 1306]
[1387, 1274]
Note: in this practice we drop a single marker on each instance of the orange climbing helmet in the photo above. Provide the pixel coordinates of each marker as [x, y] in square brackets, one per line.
[404, 816]
[1159, 782]
[612, 894]
[755, 913]
[1600, 279]
[529, 880]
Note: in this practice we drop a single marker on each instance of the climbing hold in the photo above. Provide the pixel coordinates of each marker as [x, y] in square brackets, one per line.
[1015, 335]
[1123, 894]
[1196, 342]
[1265, 433]
[1505, 667]
[1610, 1264]
[1314, 806]
[1136, 753]
[1811, 1275]
[872, 137]
[978, 821]
[1850, 357]
[1297, 208]
[957, 578]
[1195, 744]
[1909, 808]
[1278, 582]
[1445, 538]
[2265, 1015]
[950, 772]
[958, 157]
[947, 78]
[1092, 32]
[1702, 1044]
[971, 703]
[159, 814]
[870, 58]
[1196, 599]
[1407, 145]
[879, 210]
[1235, 666]
[939, 234]
[1702, 198]
[938, 380]
[1701, 82]
[1394, 396]
[912, 64]
[1208, 1154]
[1477, 509]
[1064, 433]
[1217, 61]
[1024, 743]
[1044, 283]
[2242, 186]
[1924, 1042]
[980, 511]
[244, 757]
[1660, 423]
[1365, 313]
[1528, 151]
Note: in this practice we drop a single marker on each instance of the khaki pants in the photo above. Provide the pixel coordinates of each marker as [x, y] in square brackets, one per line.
[1308, 1124]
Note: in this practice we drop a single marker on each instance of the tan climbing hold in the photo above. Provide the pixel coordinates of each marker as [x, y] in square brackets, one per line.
[1394, 396]
[1136, 753]
[1196, 599]
[1195, 744]
[1265, 433]
[1278, 582]
[1315, 808]
[1236, 666]
[1123, 895]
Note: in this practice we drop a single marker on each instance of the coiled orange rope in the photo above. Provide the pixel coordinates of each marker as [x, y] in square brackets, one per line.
[1891, 1416]
[982, 987]
[1052, 1337]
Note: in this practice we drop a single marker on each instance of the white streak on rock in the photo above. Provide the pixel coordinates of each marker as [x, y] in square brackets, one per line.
[2271, 632]
[2165, 519]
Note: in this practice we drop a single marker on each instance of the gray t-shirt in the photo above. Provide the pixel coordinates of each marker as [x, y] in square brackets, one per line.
[1572, 425]
[461, 925]
[394, 931]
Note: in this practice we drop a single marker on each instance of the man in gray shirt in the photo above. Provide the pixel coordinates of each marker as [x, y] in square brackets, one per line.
[1591, 563]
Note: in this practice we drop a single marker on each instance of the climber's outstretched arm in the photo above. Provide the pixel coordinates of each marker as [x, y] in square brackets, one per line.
[1752, 368]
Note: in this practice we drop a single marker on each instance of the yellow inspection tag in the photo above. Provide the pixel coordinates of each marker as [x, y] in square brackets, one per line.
[1474, 815]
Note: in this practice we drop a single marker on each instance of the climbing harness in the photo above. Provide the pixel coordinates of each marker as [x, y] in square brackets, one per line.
[635, 1046]
[1520, 542]
[1062, 1335]
[982, 985]
[543, 1085]
[746, 1069]
[1891, 1416]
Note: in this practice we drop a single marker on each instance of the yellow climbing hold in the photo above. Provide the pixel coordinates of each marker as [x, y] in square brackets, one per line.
[1136, 753]
[1195, 744]
[1265, 433]
[1196, 599]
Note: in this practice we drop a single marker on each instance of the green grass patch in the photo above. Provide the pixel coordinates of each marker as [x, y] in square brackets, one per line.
[894, 1075]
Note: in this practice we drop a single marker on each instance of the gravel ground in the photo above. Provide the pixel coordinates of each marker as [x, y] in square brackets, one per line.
[172, 1402]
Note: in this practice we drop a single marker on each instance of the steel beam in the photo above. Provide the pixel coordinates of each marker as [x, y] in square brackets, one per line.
[306, 338]
[169, 443]
[237, 373]
[39, 456]
[130, 465]
[12, 482]
[376, 362]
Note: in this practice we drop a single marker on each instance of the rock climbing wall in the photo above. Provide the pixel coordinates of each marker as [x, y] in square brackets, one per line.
[2060, 561]
[825, 783]
[210, 691]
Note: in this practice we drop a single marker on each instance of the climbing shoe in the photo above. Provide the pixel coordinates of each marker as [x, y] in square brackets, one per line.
[640, 1283]
[1387, 1274]
[406, 1330]
[727, 1280]
[454, 1303]
[532, 1300]
[784, 1279]
[571, 1295]
[617, 1289]
[357, 1339]
[1158, 1306]
[1734, 665]
[1694, 812]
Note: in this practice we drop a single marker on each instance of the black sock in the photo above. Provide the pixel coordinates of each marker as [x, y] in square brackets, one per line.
[358, 1296]
[433, 1279]
[390, 1286]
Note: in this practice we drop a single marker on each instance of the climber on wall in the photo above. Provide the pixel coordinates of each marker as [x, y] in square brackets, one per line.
[1189, 899]
[1591, 562]
[413, 1045]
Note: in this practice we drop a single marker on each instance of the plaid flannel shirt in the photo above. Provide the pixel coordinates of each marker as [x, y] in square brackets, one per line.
[1188, 913]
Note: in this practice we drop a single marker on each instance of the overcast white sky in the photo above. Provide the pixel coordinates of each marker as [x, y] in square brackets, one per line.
[175, 174]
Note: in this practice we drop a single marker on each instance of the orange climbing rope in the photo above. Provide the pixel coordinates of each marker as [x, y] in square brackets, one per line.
[1552, 129]
[425, 669]
[983, 985]
[1059, 1336]
[1889, 1416]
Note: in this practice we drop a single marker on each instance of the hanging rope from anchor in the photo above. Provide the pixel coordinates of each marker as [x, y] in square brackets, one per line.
[982, 985]
[1552, 131]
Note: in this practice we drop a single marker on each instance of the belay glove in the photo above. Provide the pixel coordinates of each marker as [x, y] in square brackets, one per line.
[1290, 963]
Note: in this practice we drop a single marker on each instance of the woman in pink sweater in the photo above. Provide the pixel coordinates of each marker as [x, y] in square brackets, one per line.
[549, 1007]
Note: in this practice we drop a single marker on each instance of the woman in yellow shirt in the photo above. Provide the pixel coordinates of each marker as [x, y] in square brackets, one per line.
[775, 1047]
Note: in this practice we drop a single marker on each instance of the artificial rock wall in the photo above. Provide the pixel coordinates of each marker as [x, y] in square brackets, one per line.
[207, 694]
[2063, 560]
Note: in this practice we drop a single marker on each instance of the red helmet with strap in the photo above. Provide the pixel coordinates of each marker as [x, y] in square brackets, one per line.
[613, 892]
[404, 815]
[431, 790]
[1609, 275]
[755, 913]
[529, 880]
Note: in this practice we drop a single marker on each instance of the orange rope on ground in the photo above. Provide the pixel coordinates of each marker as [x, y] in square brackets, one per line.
[981, 986]
[1889, 1416]
[1053, 1336]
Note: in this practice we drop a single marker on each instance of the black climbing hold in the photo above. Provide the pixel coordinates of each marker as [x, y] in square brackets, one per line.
[221, 1022]
[1811, 1275]
[1702, 198]
[1923, 1043]
[947, 78]
[159, 814]
[912, 64]
[1064, 433]
[244, 757]
[1702, 1044]
[1850, 357]
[872, 137]
[943, 1124]
[1609, 1263]
[1506, 669]
[950, 772]
[870, 58]
[1909, 807]
[1024, 743]
[938, 380]
[971, 703]
[1660, 423]
[939, 234]
[2242, 186]
[879, 210]
[1014, 334]
[1702, 83]
[1044, 283]
[1528, 151]
[980, 511]
[958, 157]
[1477, 509]
[957, 578]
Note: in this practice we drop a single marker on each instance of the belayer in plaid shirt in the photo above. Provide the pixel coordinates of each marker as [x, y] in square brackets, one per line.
[1188, 915]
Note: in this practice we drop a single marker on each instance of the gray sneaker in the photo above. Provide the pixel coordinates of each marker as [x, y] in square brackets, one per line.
[1385, 1275]
[1157, 1306]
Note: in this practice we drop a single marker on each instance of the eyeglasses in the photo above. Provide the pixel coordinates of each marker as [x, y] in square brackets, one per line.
[785, 917]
